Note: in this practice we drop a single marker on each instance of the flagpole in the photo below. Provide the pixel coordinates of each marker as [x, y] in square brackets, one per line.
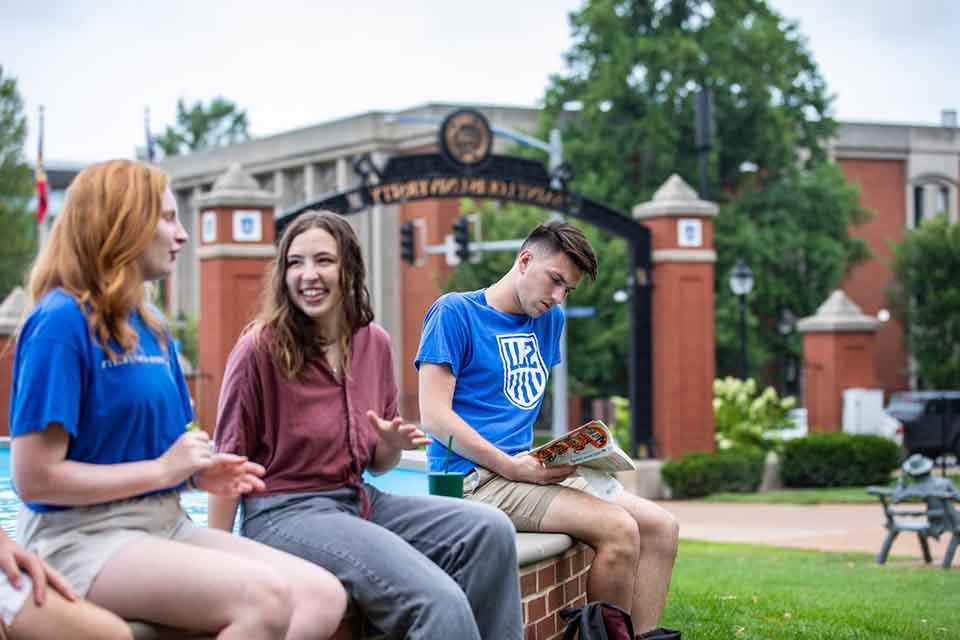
[42, 187]
[150, 153]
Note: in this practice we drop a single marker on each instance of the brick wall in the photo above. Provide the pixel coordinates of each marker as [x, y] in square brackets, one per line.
[421, 287]
[882, 186]
[548, 586]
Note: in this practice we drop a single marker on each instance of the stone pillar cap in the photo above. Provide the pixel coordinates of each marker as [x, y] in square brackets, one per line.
[11, 311]
[838, 314]
[236, 187]
[675, 198]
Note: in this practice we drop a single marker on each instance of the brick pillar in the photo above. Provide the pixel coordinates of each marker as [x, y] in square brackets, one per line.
[11, 313]
[838, 354]
[420, 285]
[235, 248]
[681, 229]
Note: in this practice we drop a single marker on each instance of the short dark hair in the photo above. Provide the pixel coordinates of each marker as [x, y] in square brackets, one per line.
[562, 237]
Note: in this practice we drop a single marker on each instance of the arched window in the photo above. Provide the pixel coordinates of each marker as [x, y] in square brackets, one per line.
[930, 195]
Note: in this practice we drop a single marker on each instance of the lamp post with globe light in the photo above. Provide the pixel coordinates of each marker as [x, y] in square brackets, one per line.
[741, 284]
[785, 326]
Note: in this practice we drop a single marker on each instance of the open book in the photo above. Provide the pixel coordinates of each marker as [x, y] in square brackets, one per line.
[590, 445]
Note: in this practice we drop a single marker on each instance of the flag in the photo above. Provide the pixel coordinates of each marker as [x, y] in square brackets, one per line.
[41, 176]
[151, 153]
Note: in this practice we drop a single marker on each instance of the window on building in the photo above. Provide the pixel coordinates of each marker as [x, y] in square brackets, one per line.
[917, 205]
[943, 200]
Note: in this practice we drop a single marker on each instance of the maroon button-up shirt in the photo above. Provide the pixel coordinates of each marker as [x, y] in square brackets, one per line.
[310, 433]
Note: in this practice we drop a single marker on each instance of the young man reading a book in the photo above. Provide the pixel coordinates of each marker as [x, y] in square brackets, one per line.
[484, 359]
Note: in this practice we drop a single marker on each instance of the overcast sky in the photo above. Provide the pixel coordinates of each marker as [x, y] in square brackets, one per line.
[96, 65]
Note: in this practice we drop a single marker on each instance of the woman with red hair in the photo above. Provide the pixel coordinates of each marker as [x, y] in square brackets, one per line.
[100, 447]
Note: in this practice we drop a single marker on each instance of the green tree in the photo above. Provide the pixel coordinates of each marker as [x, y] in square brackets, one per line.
[626, 106]
[201, 126]
[926, 298]
[794, 233]
[16, 187]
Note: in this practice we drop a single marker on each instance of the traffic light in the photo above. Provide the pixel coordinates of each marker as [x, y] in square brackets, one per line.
[461, 236]
[408, 243]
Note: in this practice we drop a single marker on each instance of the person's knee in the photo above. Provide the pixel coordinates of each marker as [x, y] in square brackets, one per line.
[324, 601]
[498, 531]
[622, 540]
[270, 599]
[659, 531]
[450, 605]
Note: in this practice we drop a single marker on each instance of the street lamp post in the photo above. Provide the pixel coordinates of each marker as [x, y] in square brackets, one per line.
[741, 283]
[785, 326]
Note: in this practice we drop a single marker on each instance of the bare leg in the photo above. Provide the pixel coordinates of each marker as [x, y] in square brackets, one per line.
[659, 534]
[635, 543]
[612, 533]
[207, 589]
[60, 618]
[319, 601]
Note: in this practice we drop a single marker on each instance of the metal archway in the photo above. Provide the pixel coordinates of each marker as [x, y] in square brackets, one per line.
[408, 178]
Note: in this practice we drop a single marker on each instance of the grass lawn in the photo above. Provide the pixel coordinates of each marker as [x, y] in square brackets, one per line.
[820, 495]
[747, 592]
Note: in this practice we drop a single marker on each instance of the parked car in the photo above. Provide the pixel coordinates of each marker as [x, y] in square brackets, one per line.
[930, 421]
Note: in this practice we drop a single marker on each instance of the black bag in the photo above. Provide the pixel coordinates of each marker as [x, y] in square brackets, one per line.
[597, 621]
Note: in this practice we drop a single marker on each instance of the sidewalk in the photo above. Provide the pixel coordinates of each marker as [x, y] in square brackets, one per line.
[834, 527]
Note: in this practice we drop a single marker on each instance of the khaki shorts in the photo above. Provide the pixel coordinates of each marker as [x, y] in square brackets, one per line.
[79, 542]
[525, 504]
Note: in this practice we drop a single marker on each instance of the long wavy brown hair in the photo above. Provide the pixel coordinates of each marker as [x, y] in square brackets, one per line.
[108, 220]
[292, 337]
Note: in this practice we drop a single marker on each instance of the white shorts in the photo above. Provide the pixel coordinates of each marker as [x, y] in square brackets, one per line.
[13, 599]
[78, 542]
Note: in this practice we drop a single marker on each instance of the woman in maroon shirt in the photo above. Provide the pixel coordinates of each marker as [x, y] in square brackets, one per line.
[309, 393]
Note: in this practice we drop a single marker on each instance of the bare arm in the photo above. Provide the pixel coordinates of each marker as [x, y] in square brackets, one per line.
[43, 474]
[221, 511]
[441, 421]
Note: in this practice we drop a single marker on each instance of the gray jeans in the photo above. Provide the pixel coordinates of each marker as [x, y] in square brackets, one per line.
[421, 567]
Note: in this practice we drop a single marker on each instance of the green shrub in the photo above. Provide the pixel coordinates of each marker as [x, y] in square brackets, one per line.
[621, 421]
[838, 460]
[185, 332]
[699, 474]
[746, 417]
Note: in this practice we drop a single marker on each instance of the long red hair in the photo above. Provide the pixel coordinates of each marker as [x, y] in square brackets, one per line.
[108, 220]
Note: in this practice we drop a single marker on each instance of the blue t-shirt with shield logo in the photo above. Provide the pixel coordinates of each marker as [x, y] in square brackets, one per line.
[127, 410]
[501, 362]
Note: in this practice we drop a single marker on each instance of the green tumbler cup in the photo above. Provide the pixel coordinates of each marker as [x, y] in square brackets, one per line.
[445, 484]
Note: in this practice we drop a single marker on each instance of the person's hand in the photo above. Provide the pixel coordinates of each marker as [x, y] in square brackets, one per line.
[396, 433]
[230, 475]
[526, 468]
[192, 452]
[14, 558]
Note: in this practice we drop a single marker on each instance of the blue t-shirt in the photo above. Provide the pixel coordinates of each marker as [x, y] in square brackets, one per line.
[125, 411]
[501, 362]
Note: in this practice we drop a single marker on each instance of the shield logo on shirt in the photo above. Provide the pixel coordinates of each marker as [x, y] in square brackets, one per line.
[524, 374]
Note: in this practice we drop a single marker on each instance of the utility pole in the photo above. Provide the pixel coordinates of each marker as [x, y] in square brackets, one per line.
[561, 417]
